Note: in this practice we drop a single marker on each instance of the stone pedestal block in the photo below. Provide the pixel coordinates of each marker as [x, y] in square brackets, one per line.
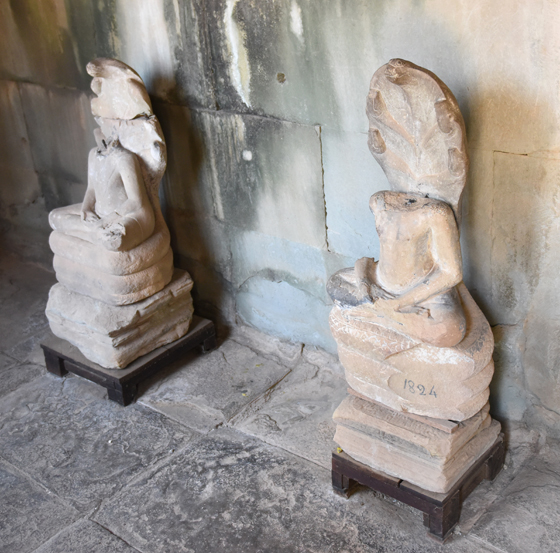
[429, 453]
[114, 336]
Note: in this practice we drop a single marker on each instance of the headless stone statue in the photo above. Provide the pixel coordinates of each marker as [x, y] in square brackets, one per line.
[118, 295]
[407, 317]
[115, 246]
[414, 345]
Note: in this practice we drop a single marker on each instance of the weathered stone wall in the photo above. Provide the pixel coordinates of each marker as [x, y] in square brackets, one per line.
[262, 103]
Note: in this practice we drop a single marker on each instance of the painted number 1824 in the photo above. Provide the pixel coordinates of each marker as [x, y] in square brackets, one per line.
[419, 389]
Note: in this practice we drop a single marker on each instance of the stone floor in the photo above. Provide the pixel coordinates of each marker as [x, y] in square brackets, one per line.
[224, 452]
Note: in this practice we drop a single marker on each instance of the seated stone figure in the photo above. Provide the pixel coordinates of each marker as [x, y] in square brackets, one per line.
[408, 332]
[115, 246]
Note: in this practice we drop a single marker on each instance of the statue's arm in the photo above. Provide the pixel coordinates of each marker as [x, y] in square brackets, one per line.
[133, 182]
[447, 270]
[87, 212]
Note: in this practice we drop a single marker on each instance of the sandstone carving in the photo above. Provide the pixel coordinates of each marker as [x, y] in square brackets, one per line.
[113, 250]
[409, 334]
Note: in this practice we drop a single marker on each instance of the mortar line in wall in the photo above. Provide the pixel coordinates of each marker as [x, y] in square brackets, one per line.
[204, 33]
[492, 233]
[45, 86]
[28, 136]
[323, 185]
[244, 113]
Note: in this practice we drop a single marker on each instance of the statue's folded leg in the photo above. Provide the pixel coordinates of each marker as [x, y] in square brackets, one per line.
[69, 221]
[439, 321]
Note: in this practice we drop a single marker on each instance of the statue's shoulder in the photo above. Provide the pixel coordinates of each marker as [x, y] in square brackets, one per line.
[123, 156]
[404, 202]
[439, 208]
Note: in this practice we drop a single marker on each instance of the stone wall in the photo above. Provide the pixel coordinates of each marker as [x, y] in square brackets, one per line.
[269, 176]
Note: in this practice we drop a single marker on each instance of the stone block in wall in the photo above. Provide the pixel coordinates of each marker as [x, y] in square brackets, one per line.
[526, 264]
[20, 194]
[300, 266]
[203, 239]
[476, 230]
[212, 294]
[166, 43]
[299, 272]
[282, 310]
[47, 41]
[312, 62]
[183, 189]
[269, 58]
[508, 394]
[524, 257]
[60, 128]
[352, 176]
[58, 191]
[14, 142]
[264, 175]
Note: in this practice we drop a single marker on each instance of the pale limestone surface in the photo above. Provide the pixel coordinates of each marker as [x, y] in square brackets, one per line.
[438, 477]
[415, 435]
[500, 59]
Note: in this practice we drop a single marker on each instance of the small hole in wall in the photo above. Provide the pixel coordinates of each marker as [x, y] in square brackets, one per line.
[281, 78]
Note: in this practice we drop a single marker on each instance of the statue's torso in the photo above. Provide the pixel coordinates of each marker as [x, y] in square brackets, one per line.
[404, 223]
[105, 175]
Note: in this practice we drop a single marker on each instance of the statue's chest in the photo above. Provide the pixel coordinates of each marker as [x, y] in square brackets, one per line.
[109, 187]
[403, 227]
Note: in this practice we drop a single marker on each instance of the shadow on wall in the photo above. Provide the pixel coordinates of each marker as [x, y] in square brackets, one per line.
[189, 215]
[511, 236]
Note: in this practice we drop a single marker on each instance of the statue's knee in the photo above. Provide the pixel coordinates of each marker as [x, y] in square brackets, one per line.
[54, 218]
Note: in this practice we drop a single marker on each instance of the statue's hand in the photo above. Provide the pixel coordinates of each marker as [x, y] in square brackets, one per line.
[112, 235]
[385, 305]
[416, 310]
[89, 216]
[394, 305]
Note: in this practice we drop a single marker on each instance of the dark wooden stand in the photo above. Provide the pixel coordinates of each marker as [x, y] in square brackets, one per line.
[122, 384]
[441, 510]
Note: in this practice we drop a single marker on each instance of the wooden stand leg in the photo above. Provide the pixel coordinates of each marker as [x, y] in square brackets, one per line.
[442, 520]
[343, 485]
[495, 462]
[209, 344]
[54, 363]
[122, 393]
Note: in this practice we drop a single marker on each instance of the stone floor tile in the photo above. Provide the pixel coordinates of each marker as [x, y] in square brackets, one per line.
[527, 515]
[85, 536]
[14, 375]
[520, 447]
[287, 353]
[29, 350]
[66, 434]
[29, 514]
[230, 492]
[24, 290]
[297, 416]
[204, 391]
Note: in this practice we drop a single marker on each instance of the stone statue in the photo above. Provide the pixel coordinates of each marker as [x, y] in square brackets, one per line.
[115, 246]
[408, 332]
[118, 296]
